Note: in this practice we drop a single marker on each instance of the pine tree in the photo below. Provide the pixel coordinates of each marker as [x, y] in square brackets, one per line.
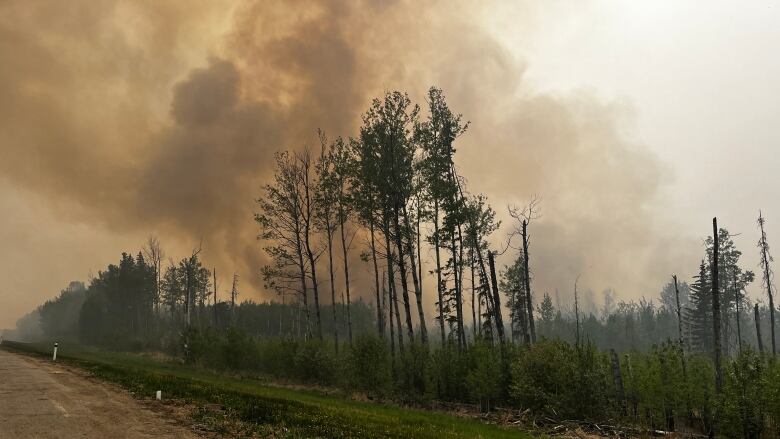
[699, 314]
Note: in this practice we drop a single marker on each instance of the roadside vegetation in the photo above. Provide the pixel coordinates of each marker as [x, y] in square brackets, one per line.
[245, 407]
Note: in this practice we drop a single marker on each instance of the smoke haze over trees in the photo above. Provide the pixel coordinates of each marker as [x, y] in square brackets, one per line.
[202, 97]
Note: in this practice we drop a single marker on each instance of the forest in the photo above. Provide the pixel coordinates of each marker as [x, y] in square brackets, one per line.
[699, 357]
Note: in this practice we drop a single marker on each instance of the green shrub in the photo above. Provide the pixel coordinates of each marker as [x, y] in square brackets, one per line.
[446, 374]
[368, 366]
[561, 380]
[314, 363]
[486, 378]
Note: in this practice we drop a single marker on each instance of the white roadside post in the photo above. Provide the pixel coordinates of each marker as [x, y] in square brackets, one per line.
[159, 395]
[54, 357]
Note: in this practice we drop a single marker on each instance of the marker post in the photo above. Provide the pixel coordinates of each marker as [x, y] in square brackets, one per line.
[54, 357]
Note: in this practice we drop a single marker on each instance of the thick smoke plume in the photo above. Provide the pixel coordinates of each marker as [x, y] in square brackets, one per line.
[125, 118]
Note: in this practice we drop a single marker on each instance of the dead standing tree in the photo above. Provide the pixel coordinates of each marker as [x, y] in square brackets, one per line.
[766, 259]
[716, 318]
[524, 217]
[758, 328]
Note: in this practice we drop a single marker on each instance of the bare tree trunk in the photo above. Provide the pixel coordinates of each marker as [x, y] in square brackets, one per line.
[461, 282]
[399, 331]
[308, 214]
[391, 285]
[633, 396]
[716, 319]
[417, 281]
[682, 348]
[216, 323]
[618, 377]
[679, 314]
[474, 298]
[402, 270]
[577, 313]
[346, 271]
[739, 325]
[765, 259]
[458, 295]
[758, 328]
[329, 237]
[189, 293]
[380, 318]
[390, 315]
[438, 270]
[419, 251]
[315, 287]
[496, 299]
[528, 296]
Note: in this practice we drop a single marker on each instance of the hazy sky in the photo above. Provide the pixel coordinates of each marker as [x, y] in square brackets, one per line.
[636, 122]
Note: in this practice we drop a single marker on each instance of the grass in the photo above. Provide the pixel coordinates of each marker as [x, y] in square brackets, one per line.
[248, 407]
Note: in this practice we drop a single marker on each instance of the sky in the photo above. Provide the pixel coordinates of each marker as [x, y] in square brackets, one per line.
[635, 122]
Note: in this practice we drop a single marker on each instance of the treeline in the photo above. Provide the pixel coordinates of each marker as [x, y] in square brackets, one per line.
[702, 358]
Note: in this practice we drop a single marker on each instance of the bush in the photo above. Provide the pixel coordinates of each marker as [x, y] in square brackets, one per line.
[368, 366]
[561, 380]
[313, 363]
[486, 379]
[240, 351]
[743, 402]
[446, 375]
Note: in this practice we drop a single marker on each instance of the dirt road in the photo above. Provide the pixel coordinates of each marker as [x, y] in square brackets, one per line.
[39, 399]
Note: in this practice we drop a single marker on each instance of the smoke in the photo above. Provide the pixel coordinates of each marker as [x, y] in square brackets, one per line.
[132, 117]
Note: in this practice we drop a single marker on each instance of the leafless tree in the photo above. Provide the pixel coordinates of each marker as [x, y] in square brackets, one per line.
[524, 217]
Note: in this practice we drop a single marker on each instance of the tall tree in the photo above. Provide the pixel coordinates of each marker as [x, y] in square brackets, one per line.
[513, 285]
[699, 315]
[326, 216]
[766, 259]
[524, 217]
[282, 227]
[342, 171]
[308, 208]
[389, 149]
[437, 136]
[716, 319]
[155, 254]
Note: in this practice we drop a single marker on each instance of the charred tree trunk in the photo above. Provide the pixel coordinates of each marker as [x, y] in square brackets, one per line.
[528, 297]
[765, 259]
[758, 328]
[496, 299]
[716, 318]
